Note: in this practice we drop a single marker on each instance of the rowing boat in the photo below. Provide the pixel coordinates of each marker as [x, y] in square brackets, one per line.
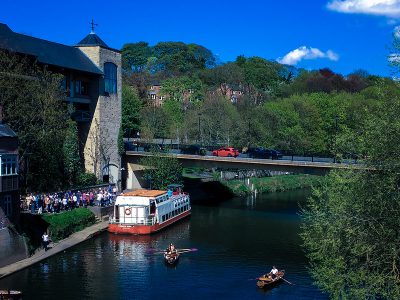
[171, 258]
[266, 280]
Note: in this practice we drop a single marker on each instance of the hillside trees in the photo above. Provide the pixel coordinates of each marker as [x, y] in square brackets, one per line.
[131, 107]
[135, 56]
[162, 170]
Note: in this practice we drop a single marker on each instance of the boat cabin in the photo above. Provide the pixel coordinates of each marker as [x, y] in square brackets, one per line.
[149, 207]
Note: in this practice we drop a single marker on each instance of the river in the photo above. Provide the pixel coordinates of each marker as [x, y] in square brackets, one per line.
[237, 240]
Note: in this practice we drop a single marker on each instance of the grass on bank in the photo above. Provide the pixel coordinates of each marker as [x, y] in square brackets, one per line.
[273, 184]
[193, 172]
[64, 224]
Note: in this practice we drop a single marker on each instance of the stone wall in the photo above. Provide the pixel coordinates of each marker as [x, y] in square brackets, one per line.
[101, 145]
[12, 245]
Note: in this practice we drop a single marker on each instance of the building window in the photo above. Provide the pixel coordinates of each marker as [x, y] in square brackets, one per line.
[110, 78]
[7, 205]
[8, 165]
[153, 96]
[81, 88]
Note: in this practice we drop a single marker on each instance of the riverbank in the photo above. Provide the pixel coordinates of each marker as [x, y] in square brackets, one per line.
[55, 248]
[272, 184]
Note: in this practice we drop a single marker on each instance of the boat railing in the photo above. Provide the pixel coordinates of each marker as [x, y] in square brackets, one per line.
[148, 221]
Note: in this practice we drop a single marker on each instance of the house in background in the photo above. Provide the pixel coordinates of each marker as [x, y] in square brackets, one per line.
[93, 85]
[154, 96]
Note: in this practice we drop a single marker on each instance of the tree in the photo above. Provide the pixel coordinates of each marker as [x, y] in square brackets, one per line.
[177, 58]
[262, 78]
[135, 56]
[183, 89]
[163, 169]
[223, 76]
[32, 103]
[101, 148]
[72, 164]
[155, 123]
[131, 106]
[351, 229]
[219, 121]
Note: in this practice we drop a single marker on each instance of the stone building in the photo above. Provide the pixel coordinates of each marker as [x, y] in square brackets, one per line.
[93, 85]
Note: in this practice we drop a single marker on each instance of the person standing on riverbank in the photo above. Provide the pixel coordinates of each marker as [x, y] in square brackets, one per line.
[45, 241]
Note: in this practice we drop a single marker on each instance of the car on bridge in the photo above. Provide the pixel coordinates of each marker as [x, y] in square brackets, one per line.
[194, 150]
[226, 152]
[260, 152]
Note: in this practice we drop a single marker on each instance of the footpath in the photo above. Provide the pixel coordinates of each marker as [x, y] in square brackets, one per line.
[58, 247]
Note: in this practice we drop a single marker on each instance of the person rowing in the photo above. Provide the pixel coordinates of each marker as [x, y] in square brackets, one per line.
[274, 272]
[171, 249]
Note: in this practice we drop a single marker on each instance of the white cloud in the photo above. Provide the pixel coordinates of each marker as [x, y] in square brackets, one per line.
[296, 55]
[387, 8]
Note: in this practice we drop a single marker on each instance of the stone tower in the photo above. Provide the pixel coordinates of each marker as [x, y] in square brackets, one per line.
[100, 135]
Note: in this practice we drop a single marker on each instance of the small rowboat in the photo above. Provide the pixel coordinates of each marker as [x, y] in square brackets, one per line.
[10, 294]
[171, 258]
[266, 281]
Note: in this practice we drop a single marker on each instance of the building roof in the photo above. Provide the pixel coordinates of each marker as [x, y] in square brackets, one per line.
[145, 193]
[6, 131]
[46, 52]
[93, 39]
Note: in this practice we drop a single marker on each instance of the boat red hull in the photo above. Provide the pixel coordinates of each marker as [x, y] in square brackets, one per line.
[144, 229]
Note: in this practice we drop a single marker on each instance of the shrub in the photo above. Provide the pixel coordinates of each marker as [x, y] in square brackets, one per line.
[86, 179]
[64, 224]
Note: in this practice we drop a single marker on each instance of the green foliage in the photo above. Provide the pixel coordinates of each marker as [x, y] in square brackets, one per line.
[351, 225]
[131, 107]
[86, 179]
[274, 184]
[120, 141]
[222, 76]
[180, 58]
[162, 170]
[183, 89]
[155, 123]
[64, 224]
[168, 57]
[135, 56]
[71, 153]
[32, 104]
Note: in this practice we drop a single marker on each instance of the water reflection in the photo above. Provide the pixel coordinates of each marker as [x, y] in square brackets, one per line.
[237, 240]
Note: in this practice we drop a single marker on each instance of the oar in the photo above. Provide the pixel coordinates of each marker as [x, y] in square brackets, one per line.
[287, 281]
[183, 251]
[191, 249]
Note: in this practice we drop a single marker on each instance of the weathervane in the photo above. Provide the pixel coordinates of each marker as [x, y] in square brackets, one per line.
[93, 25]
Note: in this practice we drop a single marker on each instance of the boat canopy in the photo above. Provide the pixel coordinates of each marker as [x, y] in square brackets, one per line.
[139, 197]
[145, 193]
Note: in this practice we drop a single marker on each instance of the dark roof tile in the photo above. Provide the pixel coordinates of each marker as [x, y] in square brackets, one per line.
[46, 52]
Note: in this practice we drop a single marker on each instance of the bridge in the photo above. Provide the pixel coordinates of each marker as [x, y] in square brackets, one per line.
[229, 163]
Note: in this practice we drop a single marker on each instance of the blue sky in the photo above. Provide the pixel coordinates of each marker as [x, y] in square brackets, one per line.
[344, 35]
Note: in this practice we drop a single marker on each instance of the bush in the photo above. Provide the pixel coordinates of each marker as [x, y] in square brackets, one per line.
[64, 224]
[274, 184]
[86, 179]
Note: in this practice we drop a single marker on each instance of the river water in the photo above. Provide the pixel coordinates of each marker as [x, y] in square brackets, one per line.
[237, 240]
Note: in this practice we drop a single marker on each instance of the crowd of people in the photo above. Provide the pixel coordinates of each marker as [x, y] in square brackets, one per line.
[68, 200]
